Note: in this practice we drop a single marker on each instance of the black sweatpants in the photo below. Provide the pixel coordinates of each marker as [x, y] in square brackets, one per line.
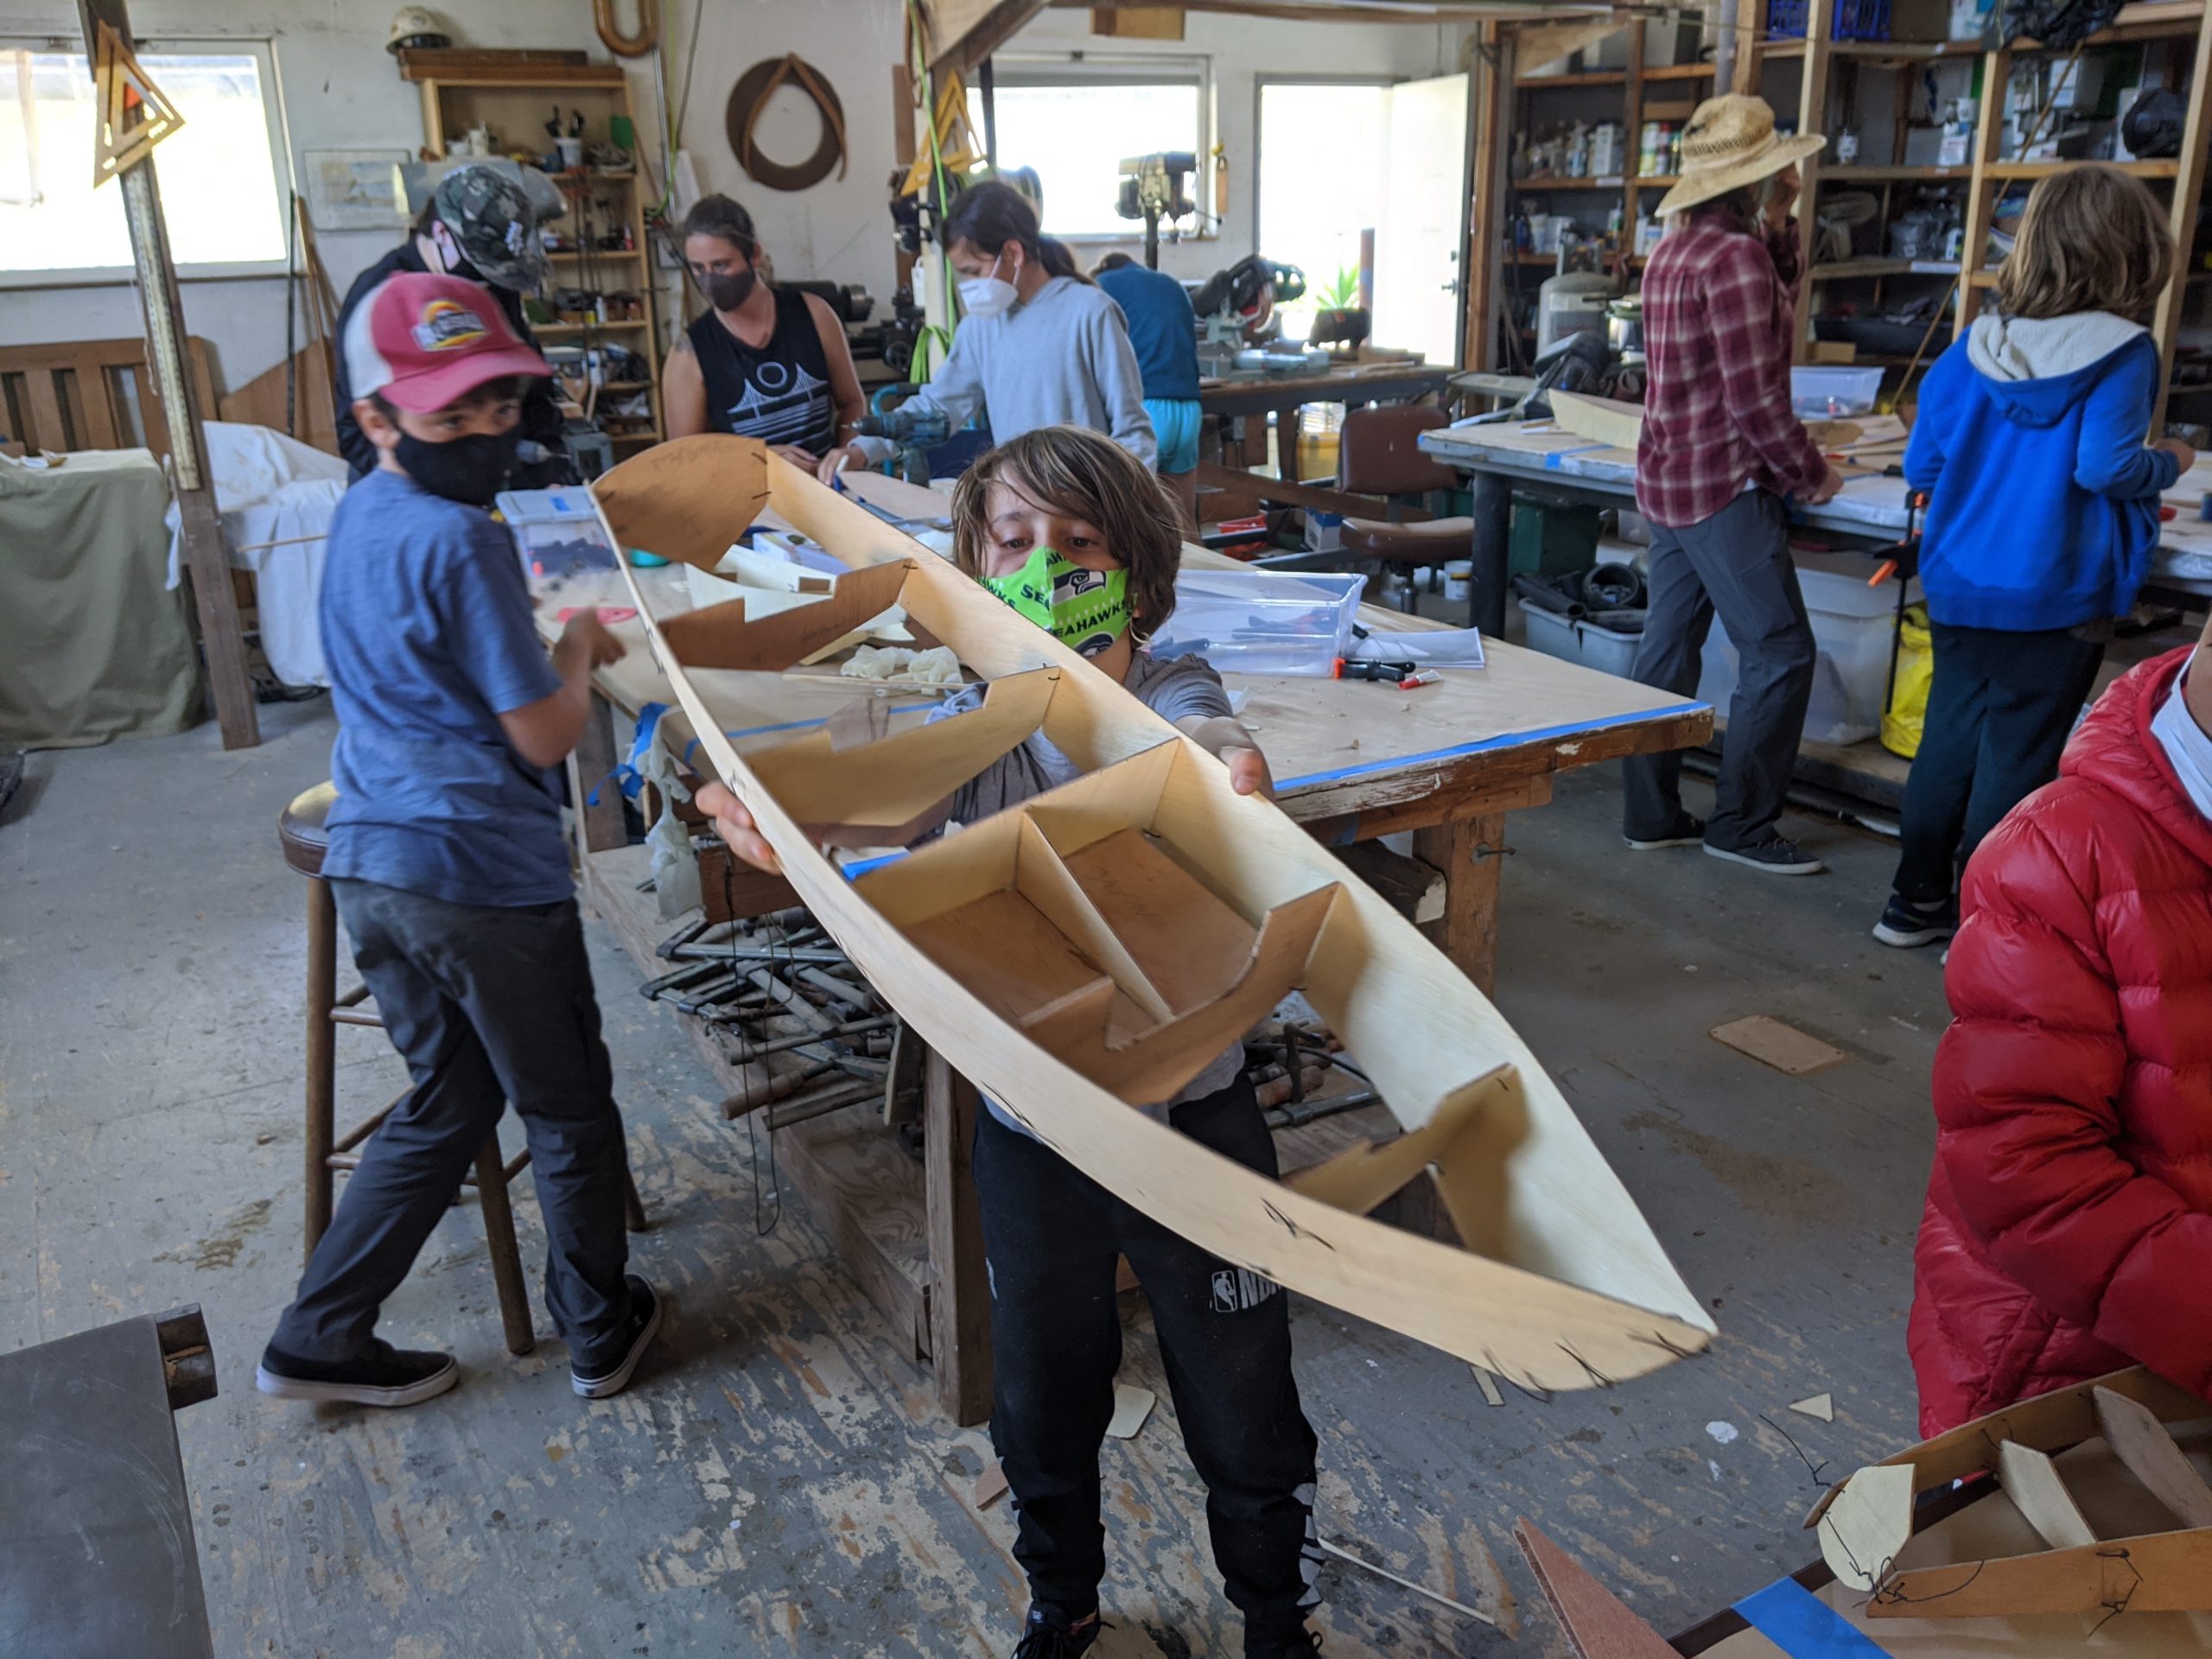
[1051, 1234]
[2000, 710]
[487, 1006]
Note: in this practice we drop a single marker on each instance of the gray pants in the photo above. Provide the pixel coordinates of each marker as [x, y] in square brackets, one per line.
[1735, 562]
[487, 1006]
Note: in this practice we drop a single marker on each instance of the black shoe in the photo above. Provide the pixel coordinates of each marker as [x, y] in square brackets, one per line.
[1047, 1634]
[1306, 1640]
[385, 1376]
[1776, 855]
[606, 1369]
[1688, 830]
[1906, 924]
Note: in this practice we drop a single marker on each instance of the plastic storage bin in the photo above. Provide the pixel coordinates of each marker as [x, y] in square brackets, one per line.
[1855, 20]
[1606, 650]
[1821, 394]
[1258, 622]
[1851, 625]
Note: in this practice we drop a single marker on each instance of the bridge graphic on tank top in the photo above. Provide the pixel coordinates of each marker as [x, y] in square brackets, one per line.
[781, 404]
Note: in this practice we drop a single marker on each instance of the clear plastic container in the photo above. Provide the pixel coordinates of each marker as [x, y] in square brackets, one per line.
[1852, 626]
[1259, 622]
[1824, 393]
[556, 532]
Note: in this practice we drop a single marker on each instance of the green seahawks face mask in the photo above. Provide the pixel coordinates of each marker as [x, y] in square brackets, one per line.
[1086, 610]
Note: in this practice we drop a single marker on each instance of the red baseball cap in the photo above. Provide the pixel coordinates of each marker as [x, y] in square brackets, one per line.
[424, 340]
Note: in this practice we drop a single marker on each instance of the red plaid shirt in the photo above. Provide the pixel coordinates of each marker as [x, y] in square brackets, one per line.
[1718, 315]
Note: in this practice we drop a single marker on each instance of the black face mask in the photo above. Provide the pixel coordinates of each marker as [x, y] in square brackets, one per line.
[726, 290]
[470, 470]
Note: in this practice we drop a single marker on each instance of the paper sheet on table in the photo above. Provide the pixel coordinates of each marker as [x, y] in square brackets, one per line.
[1431, 647]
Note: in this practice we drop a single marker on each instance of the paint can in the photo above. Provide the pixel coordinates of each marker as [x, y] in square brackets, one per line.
[1459, 578]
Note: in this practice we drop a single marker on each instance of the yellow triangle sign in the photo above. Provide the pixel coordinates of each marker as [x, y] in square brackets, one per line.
[134, 116]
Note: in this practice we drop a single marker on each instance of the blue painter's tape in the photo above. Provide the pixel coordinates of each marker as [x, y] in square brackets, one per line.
[1552, 459]
[861, 867]
[626, 776]
[1504, 740]
[1805, 1627]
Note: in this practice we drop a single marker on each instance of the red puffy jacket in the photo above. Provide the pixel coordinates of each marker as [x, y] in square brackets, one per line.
[2069, 1227]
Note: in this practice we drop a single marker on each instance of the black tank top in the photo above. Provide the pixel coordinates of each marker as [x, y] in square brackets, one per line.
[780, 393]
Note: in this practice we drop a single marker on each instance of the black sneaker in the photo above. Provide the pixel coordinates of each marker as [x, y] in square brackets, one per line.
[1306, 1640]
[385, 1376]
[1688, 830]
[1776, 855]
[1906, 924]
[606, 1370]
[1047, 1634]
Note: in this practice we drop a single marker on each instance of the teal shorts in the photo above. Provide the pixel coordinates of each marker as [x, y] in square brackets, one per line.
[1175, 428]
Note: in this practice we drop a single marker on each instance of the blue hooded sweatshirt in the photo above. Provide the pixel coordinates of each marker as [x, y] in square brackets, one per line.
[2043, 497]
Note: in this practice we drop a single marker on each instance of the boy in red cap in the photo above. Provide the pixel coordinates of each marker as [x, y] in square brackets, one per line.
[448, 863]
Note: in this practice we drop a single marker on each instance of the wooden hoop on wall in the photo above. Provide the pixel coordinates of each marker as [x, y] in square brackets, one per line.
[627, 46]
[750, 97]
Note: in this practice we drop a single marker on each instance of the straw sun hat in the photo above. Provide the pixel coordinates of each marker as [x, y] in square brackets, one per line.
[1730, 143]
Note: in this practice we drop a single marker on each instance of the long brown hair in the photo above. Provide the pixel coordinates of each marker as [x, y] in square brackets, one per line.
[987, 216]
[1086, 475]
[2094, 239]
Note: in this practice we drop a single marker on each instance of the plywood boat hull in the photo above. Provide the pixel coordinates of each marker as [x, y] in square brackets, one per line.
[1563, 1285]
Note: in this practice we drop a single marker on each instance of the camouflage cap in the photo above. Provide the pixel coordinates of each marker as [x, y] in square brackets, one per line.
[495, 219]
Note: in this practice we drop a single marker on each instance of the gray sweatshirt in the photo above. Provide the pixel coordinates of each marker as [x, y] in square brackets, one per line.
[1062, 358]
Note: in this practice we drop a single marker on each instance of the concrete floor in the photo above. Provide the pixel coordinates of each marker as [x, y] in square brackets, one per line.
[778, 1480]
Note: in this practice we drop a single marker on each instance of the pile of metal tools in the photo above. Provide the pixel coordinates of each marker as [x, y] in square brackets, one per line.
[807, 1032]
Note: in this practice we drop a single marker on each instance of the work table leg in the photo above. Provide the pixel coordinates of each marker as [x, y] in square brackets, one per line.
[960, 1290]
[599, 827]
[1471, 853]
[1493, 514]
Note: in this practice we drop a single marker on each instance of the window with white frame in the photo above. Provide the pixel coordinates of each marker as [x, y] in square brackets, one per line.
[1076, 122]
[222, 174]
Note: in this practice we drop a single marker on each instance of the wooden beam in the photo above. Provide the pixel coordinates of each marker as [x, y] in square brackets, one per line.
[221, 637]
[1489, 108]
[2188, 191]
[961, 33]
[1981, 189]
[1138, 22]
[1812, 116]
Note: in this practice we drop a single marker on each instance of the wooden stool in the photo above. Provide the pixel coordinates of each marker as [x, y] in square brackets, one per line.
[301, 831]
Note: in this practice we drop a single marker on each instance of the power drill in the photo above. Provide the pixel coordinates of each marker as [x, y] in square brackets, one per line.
[915, 427]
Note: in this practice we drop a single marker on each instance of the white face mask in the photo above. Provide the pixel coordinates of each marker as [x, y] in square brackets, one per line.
[988, 296]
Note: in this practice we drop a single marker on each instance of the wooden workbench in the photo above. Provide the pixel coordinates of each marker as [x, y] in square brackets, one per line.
[1870, 509]
[1223, 458]
[1354, 760]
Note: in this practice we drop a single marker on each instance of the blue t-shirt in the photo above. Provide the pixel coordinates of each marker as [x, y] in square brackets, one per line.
[1163, 329]
[427, 629]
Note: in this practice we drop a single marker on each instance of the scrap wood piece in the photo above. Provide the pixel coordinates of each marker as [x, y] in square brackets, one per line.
[2049, 1423]
[1404, 1583]
[1821, 1405]
[2159, 1573]
[2030, 1480]
[2148, 1453]
[1867, 1522]
[1488, 1384]
[1131, 1405]
[1601, 420]
[1595, 1622]
[1785, 1047]
[991, 1485]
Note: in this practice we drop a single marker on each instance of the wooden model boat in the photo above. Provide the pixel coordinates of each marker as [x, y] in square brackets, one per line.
[1097, 945]
[2087, 1527]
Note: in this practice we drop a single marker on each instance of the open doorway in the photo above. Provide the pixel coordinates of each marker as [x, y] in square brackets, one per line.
[1341, 162]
